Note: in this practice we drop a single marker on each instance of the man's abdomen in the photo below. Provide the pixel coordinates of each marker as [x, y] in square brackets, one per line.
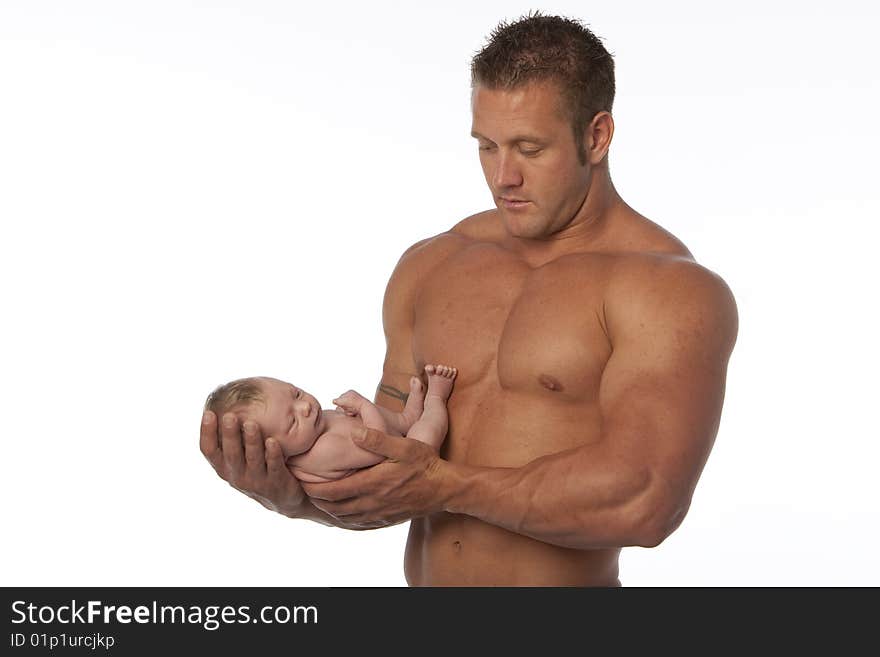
[454, 550]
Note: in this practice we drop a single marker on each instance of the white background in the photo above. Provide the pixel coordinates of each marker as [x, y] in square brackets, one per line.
[191, 192]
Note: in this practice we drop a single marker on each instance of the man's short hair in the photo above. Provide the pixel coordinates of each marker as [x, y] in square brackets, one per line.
[537, 48]
[234, 396]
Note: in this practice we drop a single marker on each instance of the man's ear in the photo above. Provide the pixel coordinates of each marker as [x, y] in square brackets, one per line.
[597, 137]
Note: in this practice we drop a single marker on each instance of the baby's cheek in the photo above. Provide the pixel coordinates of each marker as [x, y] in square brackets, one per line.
[287, 447]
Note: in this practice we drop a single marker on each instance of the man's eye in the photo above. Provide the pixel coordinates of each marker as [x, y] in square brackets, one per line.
[485, 148]
[530, 153]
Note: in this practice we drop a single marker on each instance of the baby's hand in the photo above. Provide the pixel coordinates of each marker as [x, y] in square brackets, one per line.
[351, 403]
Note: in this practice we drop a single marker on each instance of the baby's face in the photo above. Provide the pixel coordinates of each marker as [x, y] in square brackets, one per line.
[291, 416]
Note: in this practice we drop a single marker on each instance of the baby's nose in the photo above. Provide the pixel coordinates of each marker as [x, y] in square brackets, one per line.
[304, 408]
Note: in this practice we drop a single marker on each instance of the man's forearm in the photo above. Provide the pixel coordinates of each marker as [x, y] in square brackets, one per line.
[579, 498]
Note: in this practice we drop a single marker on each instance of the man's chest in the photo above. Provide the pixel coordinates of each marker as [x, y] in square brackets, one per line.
[488, 313]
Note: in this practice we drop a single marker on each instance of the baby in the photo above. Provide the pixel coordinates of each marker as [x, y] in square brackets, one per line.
[317, 443]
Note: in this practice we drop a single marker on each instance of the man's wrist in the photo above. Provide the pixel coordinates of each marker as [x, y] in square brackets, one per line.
[477, 491]
[459, 485]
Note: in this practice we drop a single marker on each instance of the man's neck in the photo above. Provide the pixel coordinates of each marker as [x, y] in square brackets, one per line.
[589, 230]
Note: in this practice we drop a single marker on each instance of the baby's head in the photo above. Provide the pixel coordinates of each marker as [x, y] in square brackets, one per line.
[284, 412]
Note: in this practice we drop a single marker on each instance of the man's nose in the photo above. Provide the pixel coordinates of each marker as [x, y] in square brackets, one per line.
[507, 172]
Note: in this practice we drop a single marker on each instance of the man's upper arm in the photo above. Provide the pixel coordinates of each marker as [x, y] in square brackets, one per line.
[672, 329]
[398, 316]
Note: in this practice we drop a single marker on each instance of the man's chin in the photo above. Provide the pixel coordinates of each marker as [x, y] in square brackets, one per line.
[524, 229]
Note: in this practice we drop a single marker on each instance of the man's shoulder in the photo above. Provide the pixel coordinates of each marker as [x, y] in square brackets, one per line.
[481, 227]
[423, 257]
[645, 255]
[650, 272]
[669, 287]
[433, 250]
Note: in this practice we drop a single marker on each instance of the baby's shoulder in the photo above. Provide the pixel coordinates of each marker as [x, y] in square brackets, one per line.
[338, 423]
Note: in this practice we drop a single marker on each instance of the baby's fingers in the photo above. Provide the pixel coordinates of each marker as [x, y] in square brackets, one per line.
[342, 405]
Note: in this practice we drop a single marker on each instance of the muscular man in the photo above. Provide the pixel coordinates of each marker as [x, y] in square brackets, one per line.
[592, 352]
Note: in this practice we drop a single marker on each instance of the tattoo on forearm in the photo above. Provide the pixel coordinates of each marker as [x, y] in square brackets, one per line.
[391, 391]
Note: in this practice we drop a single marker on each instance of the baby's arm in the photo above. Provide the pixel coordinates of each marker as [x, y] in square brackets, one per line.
[381, 419]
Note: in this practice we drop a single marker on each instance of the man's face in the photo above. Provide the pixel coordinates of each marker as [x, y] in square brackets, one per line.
[290, 415]
[529, 158]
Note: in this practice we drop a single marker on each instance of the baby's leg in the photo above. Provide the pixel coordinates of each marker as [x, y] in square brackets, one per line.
[415, 405]
[432, 426]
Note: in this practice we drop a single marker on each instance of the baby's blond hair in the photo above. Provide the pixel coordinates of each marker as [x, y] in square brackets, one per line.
[235, 396]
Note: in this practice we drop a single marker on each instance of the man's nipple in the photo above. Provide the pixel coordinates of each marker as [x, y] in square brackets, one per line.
[550, 383]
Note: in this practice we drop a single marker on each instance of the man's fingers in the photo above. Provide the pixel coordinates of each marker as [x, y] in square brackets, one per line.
[337, 509]
[392, 447]
[341, 489]
[209, 441]
[274, 458]
[230, 441]
[254, 454]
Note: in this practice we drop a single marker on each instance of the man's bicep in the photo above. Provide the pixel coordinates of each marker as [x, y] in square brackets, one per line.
[393, 391]
[663, 387]
[398, 317]
[399, 364]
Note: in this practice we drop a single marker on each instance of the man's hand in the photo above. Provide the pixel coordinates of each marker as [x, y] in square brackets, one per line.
[407, 485]
[258, 471]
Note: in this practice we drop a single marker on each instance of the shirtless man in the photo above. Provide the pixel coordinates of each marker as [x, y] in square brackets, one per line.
[592, 352]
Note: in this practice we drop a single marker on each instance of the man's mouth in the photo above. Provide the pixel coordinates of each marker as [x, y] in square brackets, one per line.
[513, 203]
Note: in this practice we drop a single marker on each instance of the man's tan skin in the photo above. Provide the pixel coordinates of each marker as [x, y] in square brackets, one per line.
[592, 353]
